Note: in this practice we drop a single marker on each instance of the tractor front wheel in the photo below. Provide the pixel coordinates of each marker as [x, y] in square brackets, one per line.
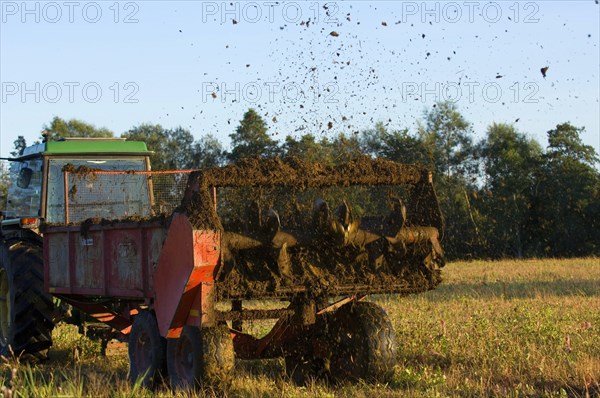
[200, 357]
[25, 308]
[147, 350]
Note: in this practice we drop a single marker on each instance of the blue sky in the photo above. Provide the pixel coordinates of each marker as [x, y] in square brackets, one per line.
[201, 65]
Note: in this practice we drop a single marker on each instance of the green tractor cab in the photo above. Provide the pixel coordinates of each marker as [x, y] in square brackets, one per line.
[37, 187]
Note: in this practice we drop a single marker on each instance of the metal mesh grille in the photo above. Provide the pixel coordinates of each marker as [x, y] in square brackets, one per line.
[117, 195]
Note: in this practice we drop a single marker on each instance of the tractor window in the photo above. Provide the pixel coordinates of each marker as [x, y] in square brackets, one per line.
[107, 202]
[25, 189]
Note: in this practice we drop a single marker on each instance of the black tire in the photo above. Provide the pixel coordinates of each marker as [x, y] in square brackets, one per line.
[201, 358]
[147, 351]
[25, 307]
[363, 343]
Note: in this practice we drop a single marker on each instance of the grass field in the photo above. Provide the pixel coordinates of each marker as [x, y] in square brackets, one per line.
[492, 329]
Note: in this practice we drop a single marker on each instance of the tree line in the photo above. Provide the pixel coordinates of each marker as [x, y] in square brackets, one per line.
[504, 195]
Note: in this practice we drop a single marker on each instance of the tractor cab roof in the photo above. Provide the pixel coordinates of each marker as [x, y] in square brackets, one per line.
[86, 147]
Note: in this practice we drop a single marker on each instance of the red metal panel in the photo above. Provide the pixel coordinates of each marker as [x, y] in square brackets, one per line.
[206, 252]
[124, 259]
[202, 309]
[106, 249]
[89, 255]
[72, 239]
[144, 259]
[117, 259]
[175, 266]
[182, 312]
[183, 279]
[195, 315]
[56, 261]
[206, 257]
[155, 243]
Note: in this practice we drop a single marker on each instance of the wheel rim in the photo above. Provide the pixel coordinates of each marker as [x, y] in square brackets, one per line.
[184, 360]
[5, 310]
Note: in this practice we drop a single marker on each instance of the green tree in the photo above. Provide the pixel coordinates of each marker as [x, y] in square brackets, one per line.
[173, 149]
[180, 146]
[74, 128]
[156, 139]
[397, 145]
[208, 152]
[346, 147]
[20, 143]
[251, 138]
[308, 148]
[510, 162]
[565, 146]
[446, 136]
[4, 183]
[565, 217]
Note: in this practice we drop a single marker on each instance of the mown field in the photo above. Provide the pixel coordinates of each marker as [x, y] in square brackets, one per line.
[493, 329]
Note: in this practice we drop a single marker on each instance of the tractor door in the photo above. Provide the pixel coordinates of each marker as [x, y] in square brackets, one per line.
[25, 192]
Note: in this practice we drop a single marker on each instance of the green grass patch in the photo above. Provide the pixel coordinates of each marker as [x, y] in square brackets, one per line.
[492, 329]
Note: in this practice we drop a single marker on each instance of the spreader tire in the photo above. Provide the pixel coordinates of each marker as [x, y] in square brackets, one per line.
[200, 357]
[147, 351]
[363, 342]
[25, 308]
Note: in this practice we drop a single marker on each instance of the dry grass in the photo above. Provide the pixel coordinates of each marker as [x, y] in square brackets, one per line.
[493, 329]
[528, 328]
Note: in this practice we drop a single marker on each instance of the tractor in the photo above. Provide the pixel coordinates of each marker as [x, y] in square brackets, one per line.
[178, 263]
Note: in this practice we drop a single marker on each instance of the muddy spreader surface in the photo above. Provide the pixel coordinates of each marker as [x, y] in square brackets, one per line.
[170, 259]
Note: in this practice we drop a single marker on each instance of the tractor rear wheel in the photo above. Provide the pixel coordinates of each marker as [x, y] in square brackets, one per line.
[25, 308]
[147, 350]
[363, 343]
[200, 357]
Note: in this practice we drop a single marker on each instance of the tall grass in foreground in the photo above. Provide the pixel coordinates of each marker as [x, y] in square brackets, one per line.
[492, 329]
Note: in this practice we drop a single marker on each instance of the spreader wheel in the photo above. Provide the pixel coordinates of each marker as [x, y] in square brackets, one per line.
[200, 357]
[147, 350]
[363, 343]
[25, 307]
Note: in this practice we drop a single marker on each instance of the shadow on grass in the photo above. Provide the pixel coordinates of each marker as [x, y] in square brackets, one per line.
[518, 289]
